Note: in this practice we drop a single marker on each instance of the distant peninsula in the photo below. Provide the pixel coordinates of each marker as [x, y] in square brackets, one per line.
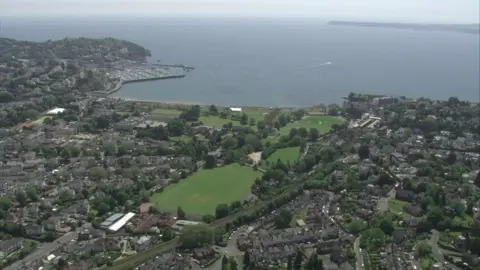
[460, 28]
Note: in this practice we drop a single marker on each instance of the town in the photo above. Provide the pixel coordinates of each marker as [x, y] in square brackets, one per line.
[86, 182]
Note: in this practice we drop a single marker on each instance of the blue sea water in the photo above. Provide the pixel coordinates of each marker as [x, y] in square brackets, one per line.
[278, 62]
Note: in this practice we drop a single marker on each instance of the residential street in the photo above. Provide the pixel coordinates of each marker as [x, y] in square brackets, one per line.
[43, 251]
[358, 254]
[437, 253]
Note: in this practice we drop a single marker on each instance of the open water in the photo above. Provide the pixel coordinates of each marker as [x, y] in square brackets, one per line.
[280, 62]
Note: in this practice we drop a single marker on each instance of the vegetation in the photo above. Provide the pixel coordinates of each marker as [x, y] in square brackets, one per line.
[203, 191]
[286, 155]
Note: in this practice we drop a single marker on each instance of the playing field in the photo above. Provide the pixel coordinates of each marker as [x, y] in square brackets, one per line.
[166, 111]
[322, 123]
[289, 154]
[203, 191]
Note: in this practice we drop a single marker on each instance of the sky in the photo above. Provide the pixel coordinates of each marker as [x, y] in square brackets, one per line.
[432, 11]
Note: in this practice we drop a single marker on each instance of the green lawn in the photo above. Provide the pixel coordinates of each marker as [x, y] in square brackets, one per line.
[40, 120]
[322, 123]
[166, 111]
[203, 191]
[217, 121]
[289, 154]
[396, 206]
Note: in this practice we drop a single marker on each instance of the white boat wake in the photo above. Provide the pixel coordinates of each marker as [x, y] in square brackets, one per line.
[319, 65]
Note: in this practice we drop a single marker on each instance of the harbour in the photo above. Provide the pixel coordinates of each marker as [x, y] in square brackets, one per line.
[142, 72]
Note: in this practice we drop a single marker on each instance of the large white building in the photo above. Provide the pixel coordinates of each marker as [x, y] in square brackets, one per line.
[121, 222]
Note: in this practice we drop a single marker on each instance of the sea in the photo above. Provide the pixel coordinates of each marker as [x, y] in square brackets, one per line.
[279, 62]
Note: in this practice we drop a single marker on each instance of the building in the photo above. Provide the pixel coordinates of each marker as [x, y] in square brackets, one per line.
[110, 220]
[236, 109]
[55, 111]
[7, 247]
[182, 223]
[121, 222]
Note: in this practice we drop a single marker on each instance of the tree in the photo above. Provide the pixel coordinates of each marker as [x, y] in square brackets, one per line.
[192, 114]
[424, 249]
[167, 234]
[210, 162]
[221, 211]
[283, 219]
[180, 213]
[303, 132]
[251, 122]
[5, 203]
[224, 262]
[364, 151]
[213, 110]
[243, 119]
[196, 236]
[246, 259]
[313, 134]
[477, 179]
[297, 264]
[208, 218]
[175, 127]
[31, 193]
[229, 142]
[314, 263]
[290, 263]
[356, 226]
[98, 173]
[21, 197]
[233, 264]
[103, 208]
[451, 158]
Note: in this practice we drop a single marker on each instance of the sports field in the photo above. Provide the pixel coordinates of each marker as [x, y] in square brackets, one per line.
[322, 123]
[289, 154]
[203, 191]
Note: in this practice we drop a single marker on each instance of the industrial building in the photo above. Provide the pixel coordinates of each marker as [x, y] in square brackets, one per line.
[110, 220]
[121, 222]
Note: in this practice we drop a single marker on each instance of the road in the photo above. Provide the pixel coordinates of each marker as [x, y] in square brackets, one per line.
[230, 250]
[43, 251]
[358, 254]
[382, 204]
[437, 252]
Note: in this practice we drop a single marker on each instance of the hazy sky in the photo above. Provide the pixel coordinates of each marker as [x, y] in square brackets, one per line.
[446, 11]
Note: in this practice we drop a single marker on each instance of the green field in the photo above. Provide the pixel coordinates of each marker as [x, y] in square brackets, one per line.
[40, 120]
[289, 154]
[396, 206]
[322, 123]
[166, 111]
[204, 190]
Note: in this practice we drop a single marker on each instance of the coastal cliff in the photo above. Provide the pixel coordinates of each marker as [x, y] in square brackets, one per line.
[460, 28]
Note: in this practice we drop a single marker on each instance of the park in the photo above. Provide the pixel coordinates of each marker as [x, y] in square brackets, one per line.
[286, 155]
[200, 193]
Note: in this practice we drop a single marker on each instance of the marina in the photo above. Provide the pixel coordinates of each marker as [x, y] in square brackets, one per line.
[143, 73]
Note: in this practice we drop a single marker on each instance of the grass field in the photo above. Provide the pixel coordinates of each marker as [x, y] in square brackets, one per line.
[166, 111]
[40, 120]
[289, 154]
[203, 191]
[322, 123]
[396, 206]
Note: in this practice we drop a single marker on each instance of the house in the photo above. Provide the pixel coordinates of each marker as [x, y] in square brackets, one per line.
[7, 247]
[52, 224]
[405, 195]
[461, 242]
[204, 253]
[414, 210]
[34, 229]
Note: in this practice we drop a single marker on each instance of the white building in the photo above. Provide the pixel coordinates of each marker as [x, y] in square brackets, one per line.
[236, 109]
[55, 111]
[121, 222]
